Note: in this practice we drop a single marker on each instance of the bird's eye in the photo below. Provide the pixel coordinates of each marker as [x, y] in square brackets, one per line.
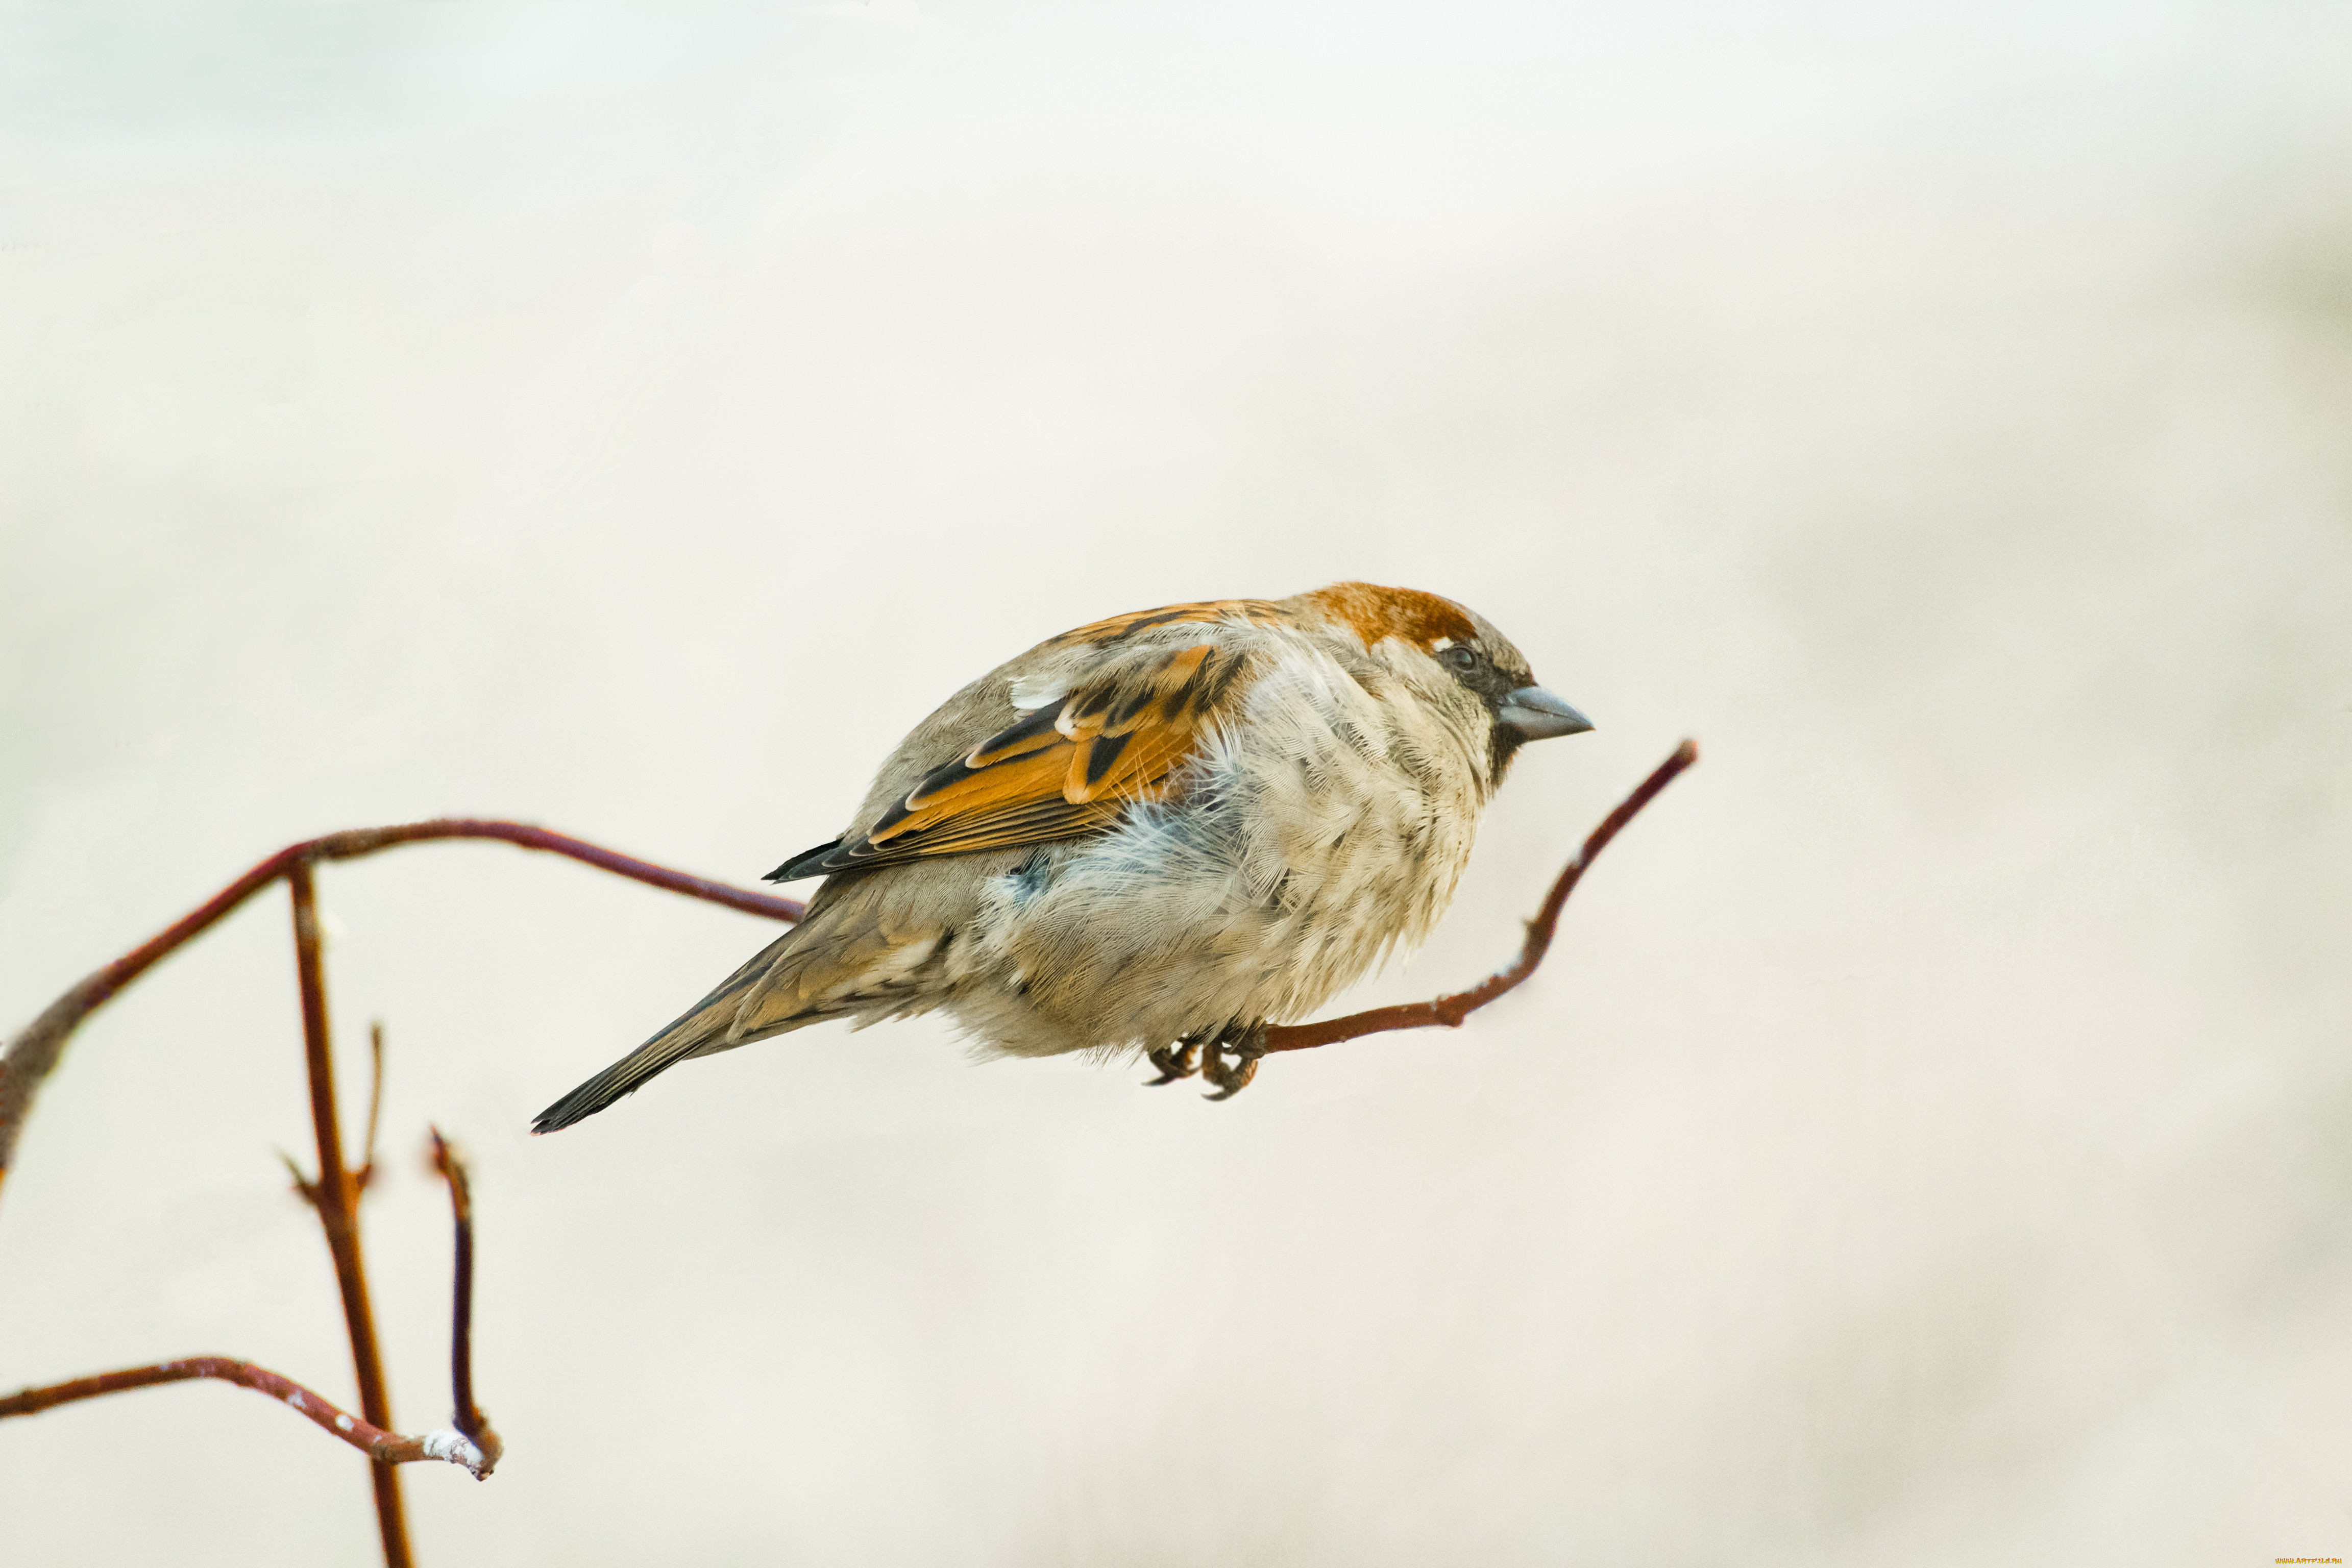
[1460, 658]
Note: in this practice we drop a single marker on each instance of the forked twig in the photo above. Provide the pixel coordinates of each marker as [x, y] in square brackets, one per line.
[384, 1447]
[336, 1197]
[470, 1440]
[33, 1055]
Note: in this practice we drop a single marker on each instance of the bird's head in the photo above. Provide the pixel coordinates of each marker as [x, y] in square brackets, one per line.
[1441, 642]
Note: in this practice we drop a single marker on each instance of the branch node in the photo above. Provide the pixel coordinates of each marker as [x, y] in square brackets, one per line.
[304, 1187]
[457, 1448]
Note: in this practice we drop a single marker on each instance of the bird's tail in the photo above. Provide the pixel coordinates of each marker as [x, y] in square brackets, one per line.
[710, 1025]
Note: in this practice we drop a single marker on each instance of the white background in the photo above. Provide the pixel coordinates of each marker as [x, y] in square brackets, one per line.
[1929, 1143]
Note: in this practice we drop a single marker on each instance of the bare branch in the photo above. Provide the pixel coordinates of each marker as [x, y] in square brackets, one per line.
[384, 1447]
[1451, 1010]
[304, 1187]
[335, 1196]
[469, 1419]
[32, 1056]
[470, 1440]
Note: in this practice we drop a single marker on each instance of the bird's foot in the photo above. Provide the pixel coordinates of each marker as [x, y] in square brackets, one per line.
[1180, 1060]
[1245, 1044]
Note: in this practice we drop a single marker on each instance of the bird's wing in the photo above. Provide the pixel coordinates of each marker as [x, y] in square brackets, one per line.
[1063, 771]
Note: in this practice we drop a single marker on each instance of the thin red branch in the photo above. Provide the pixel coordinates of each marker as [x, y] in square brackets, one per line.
[384, 1447]
[469, 1419]
[366, 1173]
[335, 1196]
[1449, 1010]
[33, 1055]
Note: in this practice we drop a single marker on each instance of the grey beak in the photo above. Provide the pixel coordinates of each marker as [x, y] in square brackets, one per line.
[1534, 714]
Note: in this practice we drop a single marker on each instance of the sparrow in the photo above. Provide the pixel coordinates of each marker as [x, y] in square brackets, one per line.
[1160, 832]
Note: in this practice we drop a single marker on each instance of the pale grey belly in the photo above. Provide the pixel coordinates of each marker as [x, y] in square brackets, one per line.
[1181, 924]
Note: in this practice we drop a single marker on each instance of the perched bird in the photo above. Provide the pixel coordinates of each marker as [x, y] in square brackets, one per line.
[1162, 831]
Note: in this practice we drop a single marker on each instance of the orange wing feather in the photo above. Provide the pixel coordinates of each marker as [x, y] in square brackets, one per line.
[1064, 771]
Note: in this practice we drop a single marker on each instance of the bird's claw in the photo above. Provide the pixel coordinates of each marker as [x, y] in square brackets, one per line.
[1226, 1059]
[1232, 1076]
[1180, 1060]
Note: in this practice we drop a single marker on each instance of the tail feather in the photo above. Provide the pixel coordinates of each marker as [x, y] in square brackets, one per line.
[704, 1027]
[623, 1077]
[854, 955]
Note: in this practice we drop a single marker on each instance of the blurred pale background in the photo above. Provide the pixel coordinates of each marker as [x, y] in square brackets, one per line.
[1928, 1145]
